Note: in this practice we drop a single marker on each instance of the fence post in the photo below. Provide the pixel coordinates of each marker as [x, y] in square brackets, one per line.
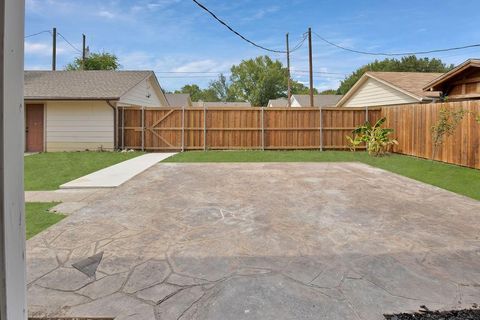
[366, 113]
[123, 128]
[204, 127]
[183, 128]
[321, 129]
[263, 129]
[143, 128]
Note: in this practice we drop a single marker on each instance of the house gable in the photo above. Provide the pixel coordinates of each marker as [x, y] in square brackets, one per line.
[376, 93]
[146, 93]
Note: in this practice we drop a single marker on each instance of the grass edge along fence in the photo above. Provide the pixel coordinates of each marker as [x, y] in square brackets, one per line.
[167, 129]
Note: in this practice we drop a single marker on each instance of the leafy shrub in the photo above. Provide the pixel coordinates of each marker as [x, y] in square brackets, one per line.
[376, 138]
[448, 120]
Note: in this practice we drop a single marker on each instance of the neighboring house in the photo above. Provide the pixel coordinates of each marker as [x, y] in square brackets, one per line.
[277, 103]
[389, 88]
[319, 100]
[76, 110]
[461, 83]
[179, 99]
[221, 104]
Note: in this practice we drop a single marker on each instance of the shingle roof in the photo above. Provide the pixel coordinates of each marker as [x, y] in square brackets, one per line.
[178, 99]
[319, 100]
[280, 102]
[412, 82]
[221, 104]
[94, 85]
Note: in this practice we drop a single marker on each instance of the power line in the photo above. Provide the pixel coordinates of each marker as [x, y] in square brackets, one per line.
[71, 45]
[320, 72]
[234, 31]
[38, 33]
[394, 54]
[300, 44]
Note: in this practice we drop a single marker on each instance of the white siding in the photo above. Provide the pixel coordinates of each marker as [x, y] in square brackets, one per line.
[79, 125]
[375, 93]
[143, 94]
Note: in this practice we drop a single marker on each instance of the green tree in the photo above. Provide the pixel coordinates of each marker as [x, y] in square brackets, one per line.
[197, 94]
[193, 90]
[258, 80]
[406, 64]
[221, 88]
[95, 61]
[329, 91]
[300, 88]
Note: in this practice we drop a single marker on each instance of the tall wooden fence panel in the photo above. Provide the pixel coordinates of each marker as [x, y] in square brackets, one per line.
[162, 129]
[413, 130]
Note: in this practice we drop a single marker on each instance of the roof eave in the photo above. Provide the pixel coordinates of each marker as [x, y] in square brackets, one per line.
[435, 82]
[71, 98]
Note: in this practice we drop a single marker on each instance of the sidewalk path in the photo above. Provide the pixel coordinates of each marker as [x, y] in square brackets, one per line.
[70, 200]
[116, 175]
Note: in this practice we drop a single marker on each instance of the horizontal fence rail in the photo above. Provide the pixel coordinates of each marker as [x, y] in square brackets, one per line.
[164, 129]
[413, 124]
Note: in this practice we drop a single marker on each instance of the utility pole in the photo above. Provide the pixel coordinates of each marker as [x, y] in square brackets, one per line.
[289, 89]
[84, 53]
[54, 49]
[311, 64]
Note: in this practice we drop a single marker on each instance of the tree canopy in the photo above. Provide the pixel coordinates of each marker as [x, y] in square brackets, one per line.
[95, 61]
[255, 80]
[405, 64]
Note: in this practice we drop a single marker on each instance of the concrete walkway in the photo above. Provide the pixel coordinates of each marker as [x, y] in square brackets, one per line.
[70, 200]
[118, 174]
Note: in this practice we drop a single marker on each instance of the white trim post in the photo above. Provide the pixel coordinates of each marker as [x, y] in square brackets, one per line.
[13, 305]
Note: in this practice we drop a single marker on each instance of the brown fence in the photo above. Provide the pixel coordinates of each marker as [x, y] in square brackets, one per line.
[413, 123]
[238, 128]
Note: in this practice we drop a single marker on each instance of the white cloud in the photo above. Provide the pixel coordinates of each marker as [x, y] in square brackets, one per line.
[261, 13]
[38, 48]
[107, 14]
[207, 65]
[45, 49]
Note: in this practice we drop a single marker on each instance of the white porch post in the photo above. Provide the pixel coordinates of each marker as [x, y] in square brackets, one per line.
[12, 214]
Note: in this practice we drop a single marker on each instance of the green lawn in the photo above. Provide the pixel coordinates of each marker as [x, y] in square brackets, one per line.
[39, 218]
[47, 171]
[450, 177]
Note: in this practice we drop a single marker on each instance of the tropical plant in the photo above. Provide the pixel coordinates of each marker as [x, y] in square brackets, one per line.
[376, 138]
[448, 120]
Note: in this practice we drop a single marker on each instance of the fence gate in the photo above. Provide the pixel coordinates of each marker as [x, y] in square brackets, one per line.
[154, 130]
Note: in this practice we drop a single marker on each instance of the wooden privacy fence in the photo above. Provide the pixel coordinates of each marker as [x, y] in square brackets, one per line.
[162, 129]
[413, 130]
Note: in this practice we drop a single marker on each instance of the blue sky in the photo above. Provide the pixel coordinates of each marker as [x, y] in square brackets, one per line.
[175, 35]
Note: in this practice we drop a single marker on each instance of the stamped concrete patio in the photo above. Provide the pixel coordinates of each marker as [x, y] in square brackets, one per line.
[261, 241]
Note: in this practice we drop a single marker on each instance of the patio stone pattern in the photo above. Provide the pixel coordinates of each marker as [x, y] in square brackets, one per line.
[260, 241]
